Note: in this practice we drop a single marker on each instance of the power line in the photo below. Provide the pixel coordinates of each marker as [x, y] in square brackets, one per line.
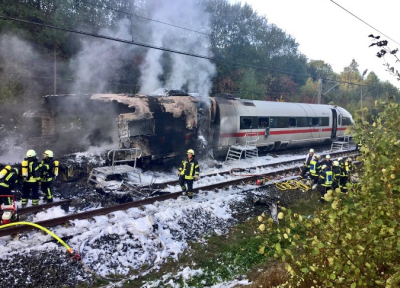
[365, 22]
[146, 18]
[150, 46]
[164, 49]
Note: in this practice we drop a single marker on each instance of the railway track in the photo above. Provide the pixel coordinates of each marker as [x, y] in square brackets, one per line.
[244, 179]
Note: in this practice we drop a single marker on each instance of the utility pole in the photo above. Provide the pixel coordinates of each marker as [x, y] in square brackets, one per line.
[362, 113]
[55, 71]
[319, 90]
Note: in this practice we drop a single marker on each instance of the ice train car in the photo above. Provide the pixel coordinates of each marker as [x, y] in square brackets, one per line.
[276, 125]
[165, 125]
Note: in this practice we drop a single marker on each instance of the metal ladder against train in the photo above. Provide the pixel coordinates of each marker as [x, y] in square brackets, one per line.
[341, 145]
[250, 150]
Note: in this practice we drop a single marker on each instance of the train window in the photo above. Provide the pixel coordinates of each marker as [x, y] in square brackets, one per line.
[263, 122]
[248, 122]
[324, 121]
[302, 122]
[141, 127]
[292, 122]
[340, 120]
[346, 121]
[273, 123]
[314, 121]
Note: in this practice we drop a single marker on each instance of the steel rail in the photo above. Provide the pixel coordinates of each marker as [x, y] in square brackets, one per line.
[106, 210]
[286, 162]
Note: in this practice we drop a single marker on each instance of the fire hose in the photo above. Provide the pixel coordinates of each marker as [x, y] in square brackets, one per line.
[76, 256]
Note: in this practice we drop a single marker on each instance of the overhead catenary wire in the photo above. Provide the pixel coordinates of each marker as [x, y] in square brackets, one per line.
[169, 49]
[143, 17]
[150, 46]
[364, 22]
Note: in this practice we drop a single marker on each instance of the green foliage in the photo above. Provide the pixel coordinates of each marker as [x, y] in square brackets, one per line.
[250, 88]
[355, 240]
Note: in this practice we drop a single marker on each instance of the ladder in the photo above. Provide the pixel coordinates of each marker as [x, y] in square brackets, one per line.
[342, 145]
[250, 150]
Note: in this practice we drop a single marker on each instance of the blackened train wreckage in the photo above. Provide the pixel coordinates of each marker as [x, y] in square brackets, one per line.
[167, 124]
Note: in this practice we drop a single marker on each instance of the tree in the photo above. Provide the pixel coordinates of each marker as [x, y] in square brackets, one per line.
[354, 240]
[250, 88]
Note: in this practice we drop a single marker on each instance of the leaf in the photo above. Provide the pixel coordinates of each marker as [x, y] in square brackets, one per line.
[278, 247]
[304, 270]
[353, 285]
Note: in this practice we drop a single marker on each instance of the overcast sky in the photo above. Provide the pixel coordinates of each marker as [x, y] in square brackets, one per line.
[325, 31]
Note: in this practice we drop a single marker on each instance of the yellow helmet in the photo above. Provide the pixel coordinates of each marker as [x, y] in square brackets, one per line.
[31, 153]
[48, 153]
[190, 151]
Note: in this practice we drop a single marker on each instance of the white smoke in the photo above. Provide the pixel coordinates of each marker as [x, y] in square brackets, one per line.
[99, 60]
[186, 71]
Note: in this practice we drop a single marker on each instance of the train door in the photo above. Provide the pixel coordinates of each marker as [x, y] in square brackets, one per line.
[313, 121]
[334, 123]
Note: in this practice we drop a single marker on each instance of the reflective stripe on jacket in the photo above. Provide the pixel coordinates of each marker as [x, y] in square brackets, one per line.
[189, 169]
[9, 180]
[33, 172]
[47, 171]
[327, 176]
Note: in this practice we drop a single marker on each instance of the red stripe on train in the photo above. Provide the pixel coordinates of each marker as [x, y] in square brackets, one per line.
[279, 132]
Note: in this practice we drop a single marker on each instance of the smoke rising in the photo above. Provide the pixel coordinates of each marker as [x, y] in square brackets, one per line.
[195, 74]
[100, 63]
[20, 93]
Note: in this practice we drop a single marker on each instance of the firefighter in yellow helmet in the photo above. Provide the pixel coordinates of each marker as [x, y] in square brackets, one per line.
[8, 181]
[31, 176]
[188, 172]
[48, 173]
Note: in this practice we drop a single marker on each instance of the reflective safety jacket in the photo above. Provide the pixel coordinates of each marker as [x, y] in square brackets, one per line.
[336, 172]
[309, 157]
[48, 170]
[315, 167]
[344, 168]
[33, 169]
[9, 180]
[326, 178]
[189, 169]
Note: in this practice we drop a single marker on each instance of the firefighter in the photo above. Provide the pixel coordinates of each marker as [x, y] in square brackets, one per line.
[325, 181]
[188, 172]
[48, 173]
[8, 182]
[31, 176]
[344, 174]
[327, 161]
[306, 164]
[315, 167]
[336, 174]
[349, 168]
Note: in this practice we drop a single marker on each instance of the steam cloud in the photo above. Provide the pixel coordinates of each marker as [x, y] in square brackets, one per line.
[101, 61]
[186, 71]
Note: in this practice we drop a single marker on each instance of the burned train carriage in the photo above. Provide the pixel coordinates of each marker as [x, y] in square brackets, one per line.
[164, 127]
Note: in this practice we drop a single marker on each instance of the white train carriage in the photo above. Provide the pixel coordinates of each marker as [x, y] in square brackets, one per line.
[277, 125]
